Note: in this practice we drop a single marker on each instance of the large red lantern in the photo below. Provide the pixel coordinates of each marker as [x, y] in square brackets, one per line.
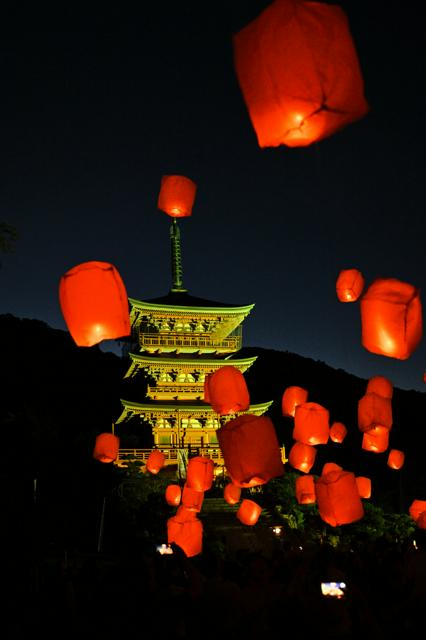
[228, 390]
[155, 461]
[416, 508]
[232, 493]
[338, 432]
[251, 450]
[199, 473]
[364, 486]
[311, 424]
[299, 74]
[302, 456]
[381, 386]
[173, 495]
[349, 285]
[292, 397]
[376, 440]
[305, 490]
[106, 447]
[374, 411]
[391, 318]
[396, 459]
[191, 499]
[187, 534]
[248, 512]
[338, 498]
[177, 195]
[94, 303]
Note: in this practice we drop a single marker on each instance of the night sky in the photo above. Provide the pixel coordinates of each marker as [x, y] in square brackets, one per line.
[95, 109]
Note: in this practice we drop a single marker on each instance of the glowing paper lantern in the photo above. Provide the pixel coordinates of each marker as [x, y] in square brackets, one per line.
[191, 499]
[330, 466]
[228, 390]
[338, 498]
[374, 411]
[292, 397]
[391, 318]
[187, 534]
[311, 424]
[364, 486]
[302, 456]
[155, 461]
[232, 493]
[177, 195]
[173, 495]
[416, 508]
[183, 514]
[349, 285]
[251, 450]
[338, 432]
[94, 303]
[381, 386]
[396, 459]
[305, 490]
[299, 74]
[376, 440]
[249, 512]
[106, 447]
[199, 473]
[421, 520]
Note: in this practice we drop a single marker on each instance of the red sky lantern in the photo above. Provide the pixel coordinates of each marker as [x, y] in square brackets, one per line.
[376, 440]
[338, 432]
[173, 495]
[302, 456]
[191, 499]
[298, 71]
[200, 473]
[248, 512]
[251, 450]
[187, 534]
[416, 508]
[364, 486]
[292, 397]
[311, 424]
[94, 303]
[349, 285]
[391, 318]
[177, 195]
[396, 459]
[228, 391]
[183, 514]
[155, 461]
[374, 411]
[232, 493]
[106, 447]
[338, 498]
[305, 490]
[329, 467]
[381, 386]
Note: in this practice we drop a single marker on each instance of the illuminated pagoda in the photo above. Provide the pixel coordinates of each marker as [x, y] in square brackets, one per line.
[181, 339]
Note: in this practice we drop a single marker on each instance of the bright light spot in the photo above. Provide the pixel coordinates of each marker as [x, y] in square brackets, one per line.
[176, 211]
[387, 343]
[164, 549]
[277, 530]
[298, 118]
[415, 544]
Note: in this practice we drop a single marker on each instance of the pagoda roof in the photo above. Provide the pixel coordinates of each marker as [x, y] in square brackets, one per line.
[184, 299]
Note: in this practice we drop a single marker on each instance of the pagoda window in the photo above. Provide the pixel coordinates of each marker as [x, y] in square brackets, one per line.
[162, 423]
[165, 377]
[195, 424]
[199, 328]
[164, 326]
[185, 377]
[165, 439]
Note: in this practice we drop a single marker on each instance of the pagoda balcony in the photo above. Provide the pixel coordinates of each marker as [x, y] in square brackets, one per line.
[188, 342]
[180, 391]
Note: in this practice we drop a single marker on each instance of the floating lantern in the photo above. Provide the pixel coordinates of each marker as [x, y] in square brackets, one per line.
[305, 490]
[173, 495]
[94, 303]
[298, 71]
[338, 432]
[249, 512]
[396, 459]
[199, 473]
[376, 440]
[381, 386]
[191, 499]
[391, 318]
[349, 285]
[251, 450]
[338, 498]
[106, 447]
[311, 424]
[416, 508]
[292, 397]
[302, 456]
[374, 411]
[155, 461]
[364, 486]
[183, 513]
[187, 534]
[228, 390]
[177, 195]
[232, 493]
[330, 466]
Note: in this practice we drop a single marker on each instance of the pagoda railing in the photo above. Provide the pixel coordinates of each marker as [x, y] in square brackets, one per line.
[231, 343]
[171, 454]
[177, 389]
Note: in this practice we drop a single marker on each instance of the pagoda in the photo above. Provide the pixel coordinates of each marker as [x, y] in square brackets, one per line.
[178, 340]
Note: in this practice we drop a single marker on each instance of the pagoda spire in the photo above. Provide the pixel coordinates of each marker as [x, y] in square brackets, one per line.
[177, 270]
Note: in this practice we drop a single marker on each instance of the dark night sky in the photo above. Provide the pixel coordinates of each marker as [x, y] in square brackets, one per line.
[95, 109]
